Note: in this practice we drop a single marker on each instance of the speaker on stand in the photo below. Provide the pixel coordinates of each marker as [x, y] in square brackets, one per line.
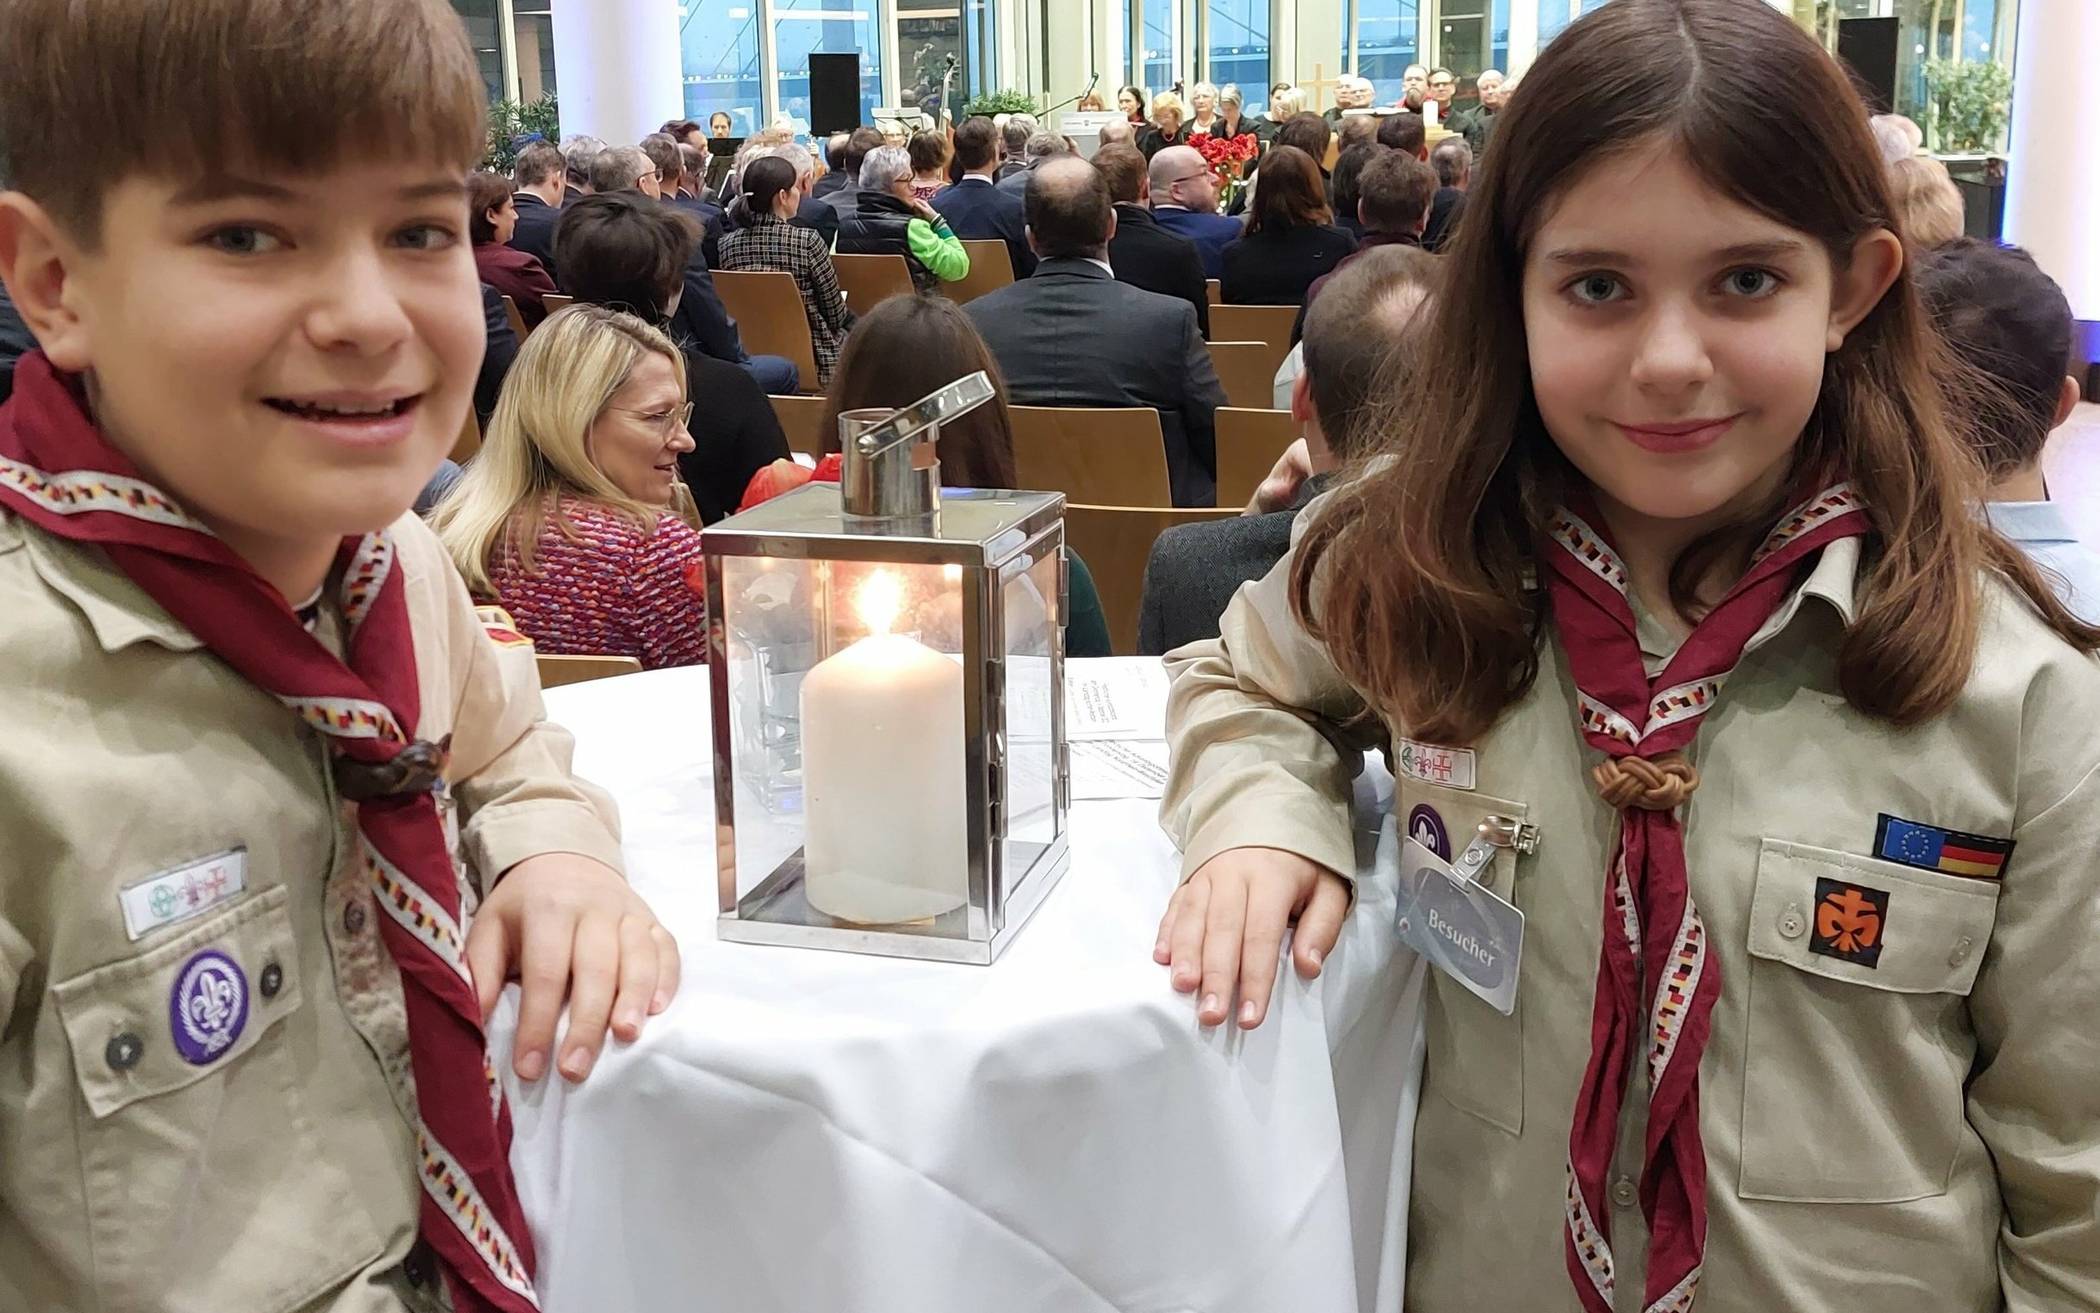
[834, 94]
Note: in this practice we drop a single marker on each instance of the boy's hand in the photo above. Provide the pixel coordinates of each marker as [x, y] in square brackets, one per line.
[1225, 927]
[1280, 488]
[569, 927]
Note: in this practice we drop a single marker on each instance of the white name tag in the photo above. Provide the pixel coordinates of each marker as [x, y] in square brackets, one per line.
[1450, 767]
[184, 892]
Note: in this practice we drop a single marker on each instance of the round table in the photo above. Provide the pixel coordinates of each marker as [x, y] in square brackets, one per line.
[818, 1132]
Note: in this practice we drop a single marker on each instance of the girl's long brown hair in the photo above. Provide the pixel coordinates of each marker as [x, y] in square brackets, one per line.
[907, 347]
[1415, 579]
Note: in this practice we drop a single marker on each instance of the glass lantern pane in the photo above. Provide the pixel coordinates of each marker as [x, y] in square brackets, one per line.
[1034, 604]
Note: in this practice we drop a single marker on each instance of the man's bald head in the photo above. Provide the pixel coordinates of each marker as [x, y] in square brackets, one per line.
[1180, 176]
[1068, 210]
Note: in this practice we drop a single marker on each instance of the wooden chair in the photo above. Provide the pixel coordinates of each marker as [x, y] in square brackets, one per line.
[556, 301]
[869, 280]
[558, 670]
[1115, 542]
[1249, 441]
[469, 440]
[767, 307]
[801, 419]
[517, 321]
[1109, 457]
[1255, 323]
[991, 268]
[1215, 290]
[1247, 370]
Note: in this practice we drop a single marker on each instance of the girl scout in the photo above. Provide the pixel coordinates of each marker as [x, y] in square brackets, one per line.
[1679, 624]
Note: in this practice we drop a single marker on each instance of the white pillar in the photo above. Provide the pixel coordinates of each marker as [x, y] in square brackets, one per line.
[618, 67]
[2052, 204]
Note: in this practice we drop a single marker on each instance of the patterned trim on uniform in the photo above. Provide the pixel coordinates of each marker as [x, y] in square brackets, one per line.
[432, 925]
[1588, 546]
[1680, 1296]
[446, 1182]
[1623, 901]
[1600, 719]
[78, 492]
[1835, 500]
[369, 567]
[1590, 1245]
[1674, 1000]
[348, 718]
[1683, 702]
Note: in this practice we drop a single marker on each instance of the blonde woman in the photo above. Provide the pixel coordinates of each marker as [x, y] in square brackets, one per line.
[570, 518]
[1203, 107]
[1928, 205]
[1169, 125]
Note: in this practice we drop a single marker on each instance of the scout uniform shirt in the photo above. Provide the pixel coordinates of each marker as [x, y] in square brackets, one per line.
[155, 805]
[1900, 1101]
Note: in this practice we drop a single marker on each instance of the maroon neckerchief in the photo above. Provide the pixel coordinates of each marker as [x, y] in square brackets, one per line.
[1655, 990]
[57, 472]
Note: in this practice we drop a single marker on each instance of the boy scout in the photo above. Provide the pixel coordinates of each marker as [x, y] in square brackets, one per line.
[257, 739]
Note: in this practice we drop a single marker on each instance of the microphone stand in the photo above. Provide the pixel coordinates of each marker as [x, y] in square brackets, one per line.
[1091, 82]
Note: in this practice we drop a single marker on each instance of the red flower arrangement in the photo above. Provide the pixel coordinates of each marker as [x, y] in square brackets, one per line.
[1227, 156]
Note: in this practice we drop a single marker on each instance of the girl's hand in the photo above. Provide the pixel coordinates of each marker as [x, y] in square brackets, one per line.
[1224, 927]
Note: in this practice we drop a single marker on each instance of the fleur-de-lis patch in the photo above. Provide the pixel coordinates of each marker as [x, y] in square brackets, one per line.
[1851, 922]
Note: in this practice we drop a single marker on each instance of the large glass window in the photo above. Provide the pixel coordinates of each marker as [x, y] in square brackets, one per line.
[1460, 28]
[1385, 36]
[718, 41]
[482, 19]
[534, 30]
[1237, 34]
[1157, 40]
[980, 51]
[802, 28]
[929, 35]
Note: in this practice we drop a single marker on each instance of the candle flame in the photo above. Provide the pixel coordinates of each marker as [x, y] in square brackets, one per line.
[878, 600]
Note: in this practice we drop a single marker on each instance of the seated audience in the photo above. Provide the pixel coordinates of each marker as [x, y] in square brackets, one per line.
[1358, 345]
[859, 143]
[1307, 132]
[1142, 253]
[1118, 133]
[541, 184]
[1355, 130]
[1013, 140]
[1477, 123]
[1203, 108]
[492, 218]
[811, 213]
[2010, 320]
[1131, 100]
[764, 239]
[1074, 336]
[1397, 191]
[1286, 102]
[1351, 91]
[499, 349]
[1348, 172]
[692, 164]
[1041, 146]
[627, 253]
[1406, 133]
[888, 219]
[929, 164]
[835, 177]
[1898, 137]
[662, 151]
[1168, 126]
[1453, 161]
[975, 208]
[567, 518]
[1231, 120]
[577, 155]
[1185, 202]
[1290, 241]
[624, 168]
[1928, 207]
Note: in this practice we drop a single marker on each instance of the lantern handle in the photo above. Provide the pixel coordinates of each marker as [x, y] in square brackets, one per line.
[938, 407]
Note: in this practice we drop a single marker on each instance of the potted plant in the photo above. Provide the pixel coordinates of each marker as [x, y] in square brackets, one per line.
[511, 125]
[993, 103]
[1971, 103]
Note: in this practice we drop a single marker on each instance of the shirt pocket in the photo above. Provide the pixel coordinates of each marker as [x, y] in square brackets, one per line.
[203, 1183]
[1859, 1043]
[1475, 1054]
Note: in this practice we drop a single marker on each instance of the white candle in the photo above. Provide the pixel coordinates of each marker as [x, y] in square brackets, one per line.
[882, 774]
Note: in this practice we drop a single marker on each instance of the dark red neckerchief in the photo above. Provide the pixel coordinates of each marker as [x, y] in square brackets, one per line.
[57, 472]
[1655, 990]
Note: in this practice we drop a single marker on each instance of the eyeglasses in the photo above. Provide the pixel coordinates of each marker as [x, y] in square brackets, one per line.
[1189, 177]
[665, 422]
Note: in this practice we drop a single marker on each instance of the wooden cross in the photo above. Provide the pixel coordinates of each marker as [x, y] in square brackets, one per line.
[1317, 87]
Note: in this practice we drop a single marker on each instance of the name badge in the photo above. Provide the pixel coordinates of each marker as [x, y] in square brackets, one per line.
[177, 895]
[1431, 764]
[1459, 925]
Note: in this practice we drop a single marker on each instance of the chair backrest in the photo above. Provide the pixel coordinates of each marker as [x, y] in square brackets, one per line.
[767, 307]
[991, 268]
[869, 280]
[558, 670]
[801, 419]
[1215, 290]
[517, 321]
[1255, 323]
[1249, 441]
[1247, 371]
[469, 440]
[556, 301]
[1107, 457]
[1115, 542]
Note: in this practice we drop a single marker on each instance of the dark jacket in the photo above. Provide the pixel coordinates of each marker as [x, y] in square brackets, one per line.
[813, 214]
[1444, 213]
[496, 358]
[1371, 242]
[1275, 266]
[1152, 141]
[879, 225]
[834, 181]
[17, 341]
[978, 211]
[515, 274]
[534, 234]
[1074, 336]
[1211, 233]
[701, 319]
[1195, 569]
[1148, 256]
[1015, 184]
[735, 434]
[1009, 169]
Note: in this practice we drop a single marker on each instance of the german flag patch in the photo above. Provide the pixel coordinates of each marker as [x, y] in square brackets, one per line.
[1931, 848]
[501, 629]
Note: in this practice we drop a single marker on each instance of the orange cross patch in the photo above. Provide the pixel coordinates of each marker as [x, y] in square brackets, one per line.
[1850, 923]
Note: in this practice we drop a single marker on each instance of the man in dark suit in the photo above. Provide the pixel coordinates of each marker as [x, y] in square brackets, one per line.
[835, 161]
[1013, 138]
[846, 197]
[1368, 309]
[1074, 336]
[1143, 253]
[541, 179]
[1185, 203]
[1041, 146]
[975, 209]
[1453, 161]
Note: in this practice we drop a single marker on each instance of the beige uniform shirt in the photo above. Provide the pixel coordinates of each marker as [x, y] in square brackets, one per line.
[154, 805]
[1920, 1134]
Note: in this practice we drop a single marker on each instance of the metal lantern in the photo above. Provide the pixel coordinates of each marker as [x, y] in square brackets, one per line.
[887, 673]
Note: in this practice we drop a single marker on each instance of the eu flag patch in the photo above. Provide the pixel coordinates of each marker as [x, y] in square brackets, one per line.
[1931, 848]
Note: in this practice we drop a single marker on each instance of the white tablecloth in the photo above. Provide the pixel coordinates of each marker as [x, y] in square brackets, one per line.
[813, 1132]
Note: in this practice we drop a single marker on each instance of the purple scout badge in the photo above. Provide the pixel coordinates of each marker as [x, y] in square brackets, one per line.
[209, 1007]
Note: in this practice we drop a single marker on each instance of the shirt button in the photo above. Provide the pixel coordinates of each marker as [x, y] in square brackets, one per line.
[1792, 922]
[354, 918]
[124, 1052]
[272, 980]
[1625, 1193]
[1961, 952]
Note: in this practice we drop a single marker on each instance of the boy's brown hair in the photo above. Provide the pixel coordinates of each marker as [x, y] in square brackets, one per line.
[93, 91]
